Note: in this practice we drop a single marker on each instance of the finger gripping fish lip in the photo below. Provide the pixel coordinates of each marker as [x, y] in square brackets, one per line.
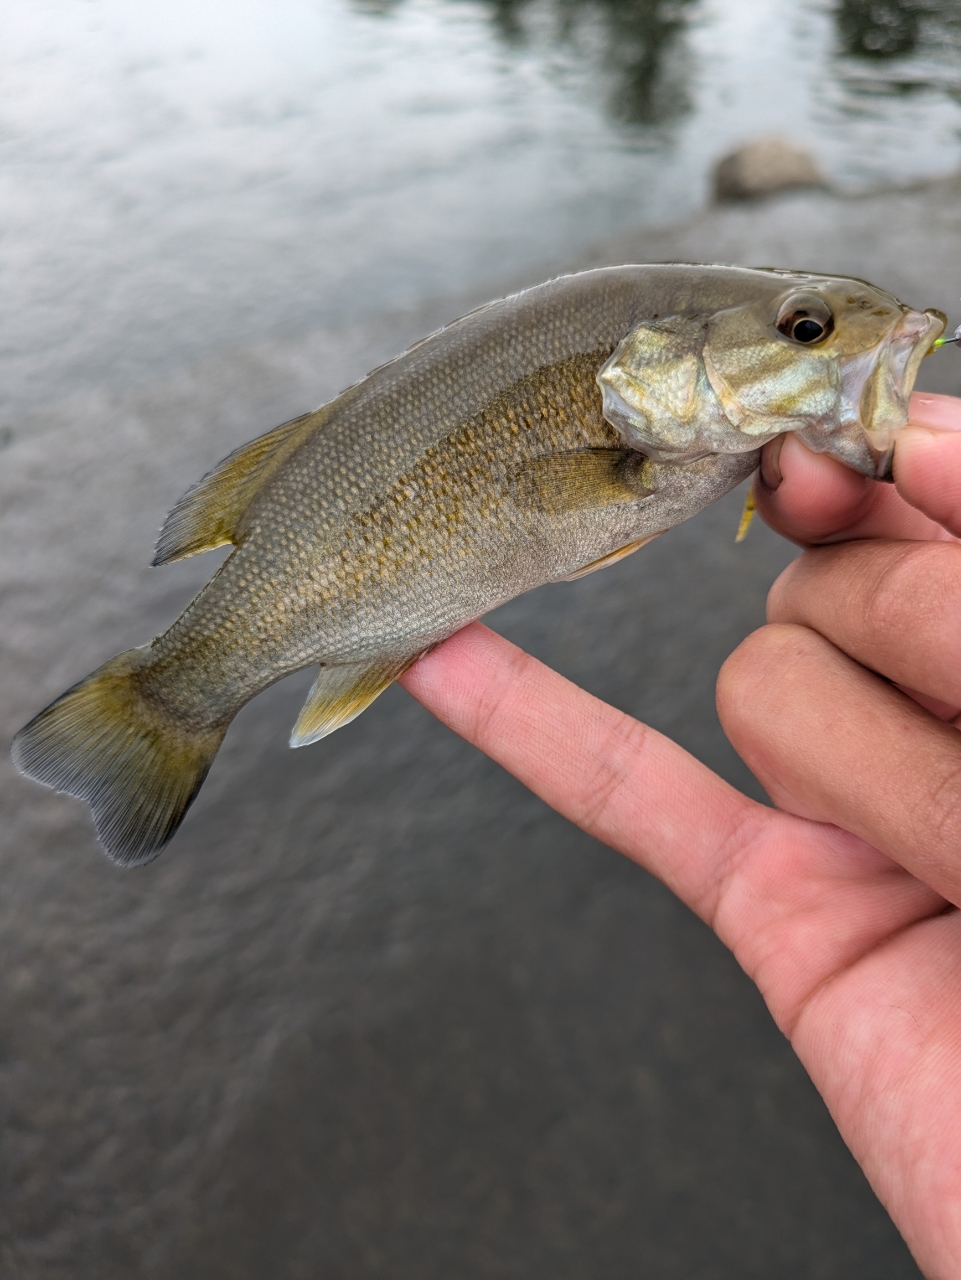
[541, 437]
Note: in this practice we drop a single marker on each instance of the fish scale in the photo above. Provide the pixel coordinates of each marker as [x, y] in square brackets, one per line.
[537, 438]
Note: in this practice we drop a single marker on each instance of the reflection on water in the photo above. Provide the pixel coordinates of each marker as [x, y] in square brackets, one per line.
[894, 28]
[632, 44]
[878, 28]
[200, 175]
[899, 50]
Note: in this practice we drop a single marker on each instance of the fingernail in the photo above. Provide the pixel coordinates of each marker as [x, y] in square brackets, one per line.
[771, 463]
[937, 413]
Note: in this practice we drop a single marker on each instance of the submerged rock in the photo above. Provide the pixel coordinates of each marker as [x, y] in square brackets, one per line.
[764, 167]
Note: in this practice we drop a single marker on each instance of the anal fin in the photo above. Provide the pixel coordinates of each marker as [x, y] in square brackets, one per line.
[340, 694]
[211, 512]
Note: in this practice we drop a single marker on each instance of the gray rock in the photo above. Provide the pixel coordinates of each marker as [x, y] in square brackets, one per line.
[764, 167]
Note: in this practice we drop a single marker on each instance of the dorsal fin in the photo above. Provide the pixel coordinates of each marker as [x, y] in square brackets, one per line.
[210, 512]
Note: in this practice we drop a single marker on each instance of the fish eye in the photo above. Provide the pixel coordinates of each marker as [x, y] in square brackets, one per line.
[807, 330]
[806, 320]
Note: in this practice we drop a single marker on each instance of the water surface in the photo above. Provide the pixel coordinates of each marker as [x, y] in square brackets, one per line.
[183, 178]
[377, 1012]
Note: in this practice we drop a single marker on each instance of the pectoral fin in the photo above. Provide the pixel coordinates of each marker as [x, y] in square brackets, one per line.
[580, 478]
[611, 558]
[340, 694]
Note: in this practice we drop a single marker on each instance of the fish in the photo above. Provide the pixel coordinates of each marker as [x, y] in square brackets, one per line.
[536, 439]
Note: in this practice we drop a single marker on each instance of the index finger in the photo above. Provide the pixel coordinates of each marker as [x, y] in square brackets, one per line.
[796, 901]
[619, 780]
[812, 499]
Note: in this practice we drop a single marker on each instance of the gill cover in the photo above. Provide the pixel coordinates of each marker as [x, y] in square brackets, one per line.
[656, 393]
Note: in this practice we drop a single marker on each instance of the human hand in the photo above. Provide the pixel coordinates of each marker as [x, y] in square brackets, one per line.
[840, 903]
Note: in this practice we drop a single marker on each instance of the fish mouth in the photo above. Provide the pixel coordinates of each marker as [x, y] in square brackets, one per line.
[876, 386]
[883, 400]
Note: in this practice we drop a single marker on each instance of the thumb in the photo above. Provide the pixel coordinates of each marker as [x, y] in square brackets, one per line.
[927, 459]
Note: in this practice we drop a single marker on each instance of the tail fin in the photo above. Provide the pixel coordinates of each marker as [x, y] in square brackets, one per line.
[137, 767]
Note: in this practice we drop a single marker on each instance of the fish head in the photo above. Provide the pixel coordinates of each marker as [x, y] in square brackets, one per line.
[831, 359]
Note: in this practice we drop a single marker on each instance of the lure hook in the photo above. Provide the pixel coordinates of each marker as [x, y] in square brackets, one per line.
[944, 342]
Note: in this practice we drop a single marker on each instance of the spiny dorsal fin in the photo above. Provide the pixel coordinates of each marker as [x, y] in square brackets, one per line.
[210, 512]
[580, 478]
[340, 694]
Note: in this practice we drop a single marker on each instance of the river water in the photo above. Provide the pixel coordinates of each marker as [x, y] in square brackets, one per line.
[195, 176]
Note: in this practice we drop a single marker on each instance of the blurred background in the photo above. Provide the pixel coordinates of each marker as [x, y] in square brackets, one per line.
[377, 1012]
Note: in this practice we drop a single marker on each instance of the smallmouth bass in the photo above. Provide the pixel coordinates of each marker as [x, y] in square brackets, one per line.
[536, 439]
